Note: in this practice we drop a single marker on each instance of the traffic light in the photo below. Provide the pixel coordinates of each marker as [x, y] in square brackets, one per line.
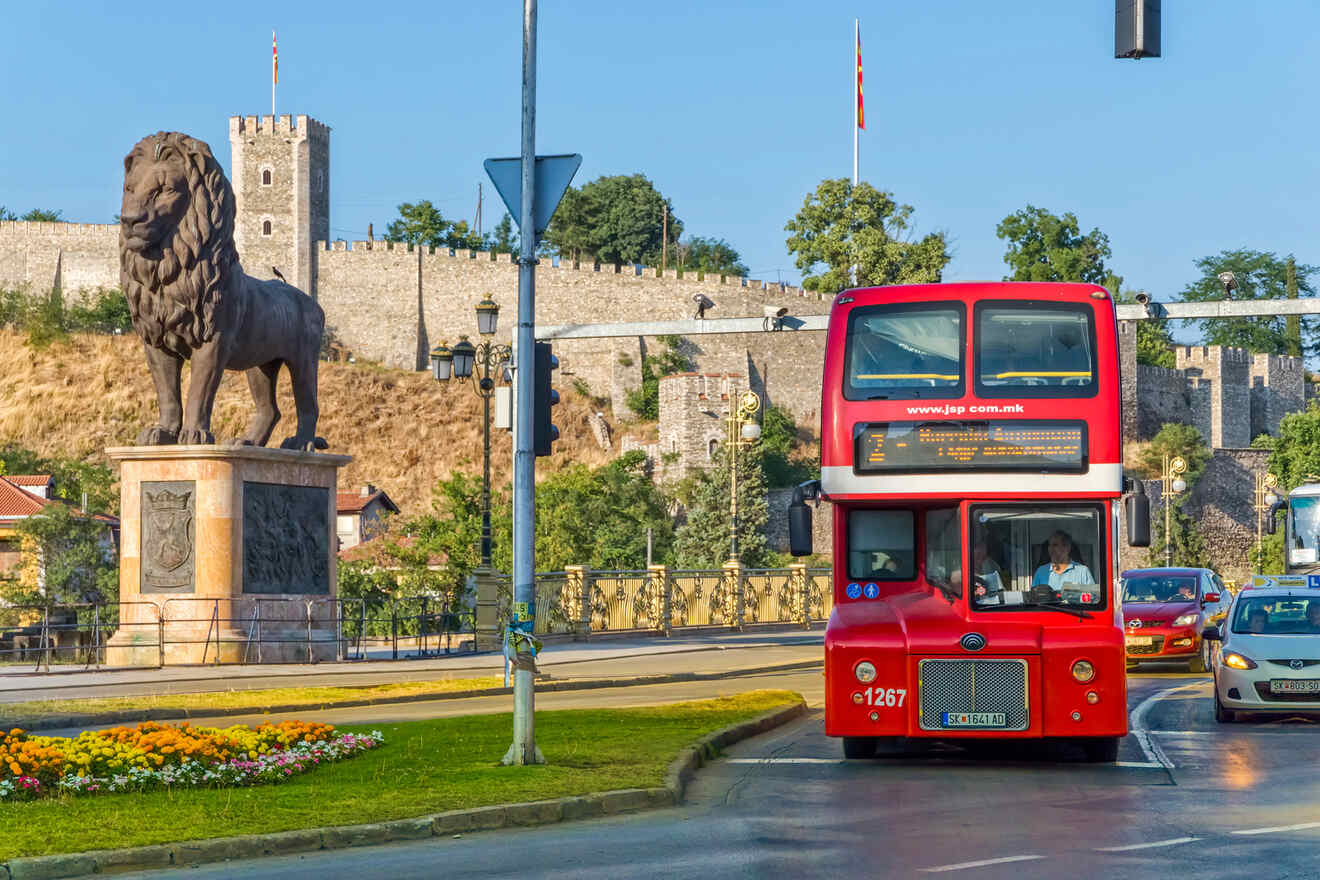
[543, 397]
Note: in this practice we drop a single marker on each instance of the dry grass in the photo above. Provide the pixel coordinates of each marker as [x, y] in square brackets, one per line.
[404, 431]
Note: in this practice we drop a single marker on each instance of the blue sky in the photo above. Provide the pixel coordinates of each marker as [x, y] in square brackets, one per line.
[735, 110]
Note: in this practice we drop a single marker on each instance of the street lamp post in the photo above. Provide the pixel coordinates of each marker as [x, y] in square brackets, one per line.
[743, 431]
[1171, 484]
[1265, 497]
[480, 363]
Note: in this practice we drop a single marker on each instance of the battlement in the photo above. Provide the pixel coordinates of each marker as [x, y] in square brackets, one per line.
[28, 227]
[1264, 364]
[285, 125]
[1210, 355]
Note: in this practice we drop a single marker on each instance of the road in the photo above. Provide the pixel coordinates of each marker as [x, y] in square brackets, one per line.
[1233, 801]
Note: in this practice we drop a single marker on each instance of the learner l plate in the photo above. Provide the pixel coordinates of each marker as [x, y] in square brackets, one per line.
[974, 719]
[1294, 686]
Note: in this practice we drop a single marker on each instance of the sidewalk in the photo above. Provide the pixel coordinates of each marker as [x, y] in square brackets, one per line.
[703, 653]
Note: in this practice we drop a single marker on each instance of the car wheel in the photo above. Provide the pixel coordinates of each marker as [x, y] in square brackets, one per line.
[859, 747]
[1100, 749]
[1222, 715]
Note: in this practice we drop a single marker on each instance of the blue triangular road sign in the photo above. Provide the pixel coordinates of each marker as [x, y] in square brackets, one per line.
[553, 175]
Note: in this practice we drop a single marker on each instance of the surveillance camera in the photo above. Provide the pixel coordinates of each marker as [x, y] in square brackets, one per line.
[703, 302]
[776, 311]
[1143, 298]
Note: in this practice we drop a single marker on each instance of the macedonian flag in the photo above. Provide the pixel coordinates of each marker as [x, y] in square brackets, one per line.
[275, 61]
[861, 112]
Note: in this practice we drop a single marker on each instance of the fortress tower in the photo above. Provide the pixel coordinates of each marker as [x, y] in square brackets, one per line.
[281, 178]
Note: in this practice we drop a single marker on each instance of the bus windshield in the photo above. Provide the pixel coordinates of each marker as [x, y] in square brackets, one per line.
[1032, 555]
[1303, 529]
[899, 351]
[1035, 350]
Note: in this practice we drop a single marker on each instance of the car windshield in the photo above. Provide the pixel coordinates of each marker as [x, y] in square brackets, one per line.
[1035, 350]
[1024, 555]
[1159, 588]
[1303, 529]
[898, 351]
[1277, 615]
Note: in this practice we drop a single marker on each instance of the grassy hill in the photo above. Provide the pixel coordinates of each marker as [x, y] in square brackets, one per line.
[404, 430]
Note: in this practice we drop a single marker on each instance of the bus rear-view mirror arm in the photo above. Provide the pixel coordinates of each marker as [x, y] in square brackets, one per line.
[1136, 507]
[1270, 526]
[799, 517]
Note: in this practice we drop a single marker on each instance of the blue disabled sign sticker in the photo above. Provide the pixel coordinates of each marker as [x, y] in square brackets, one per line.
[854, 591]
[871, 591]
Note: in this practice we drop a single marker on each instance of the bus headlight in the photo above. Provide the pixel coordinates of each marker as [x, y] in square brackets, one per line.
[865, 672]
[1234, 660]
[1083, 671]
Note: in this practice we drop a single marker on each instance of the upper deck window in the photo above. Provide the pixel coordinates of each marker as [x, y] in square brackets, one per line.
[905, 351]
[1035, 349]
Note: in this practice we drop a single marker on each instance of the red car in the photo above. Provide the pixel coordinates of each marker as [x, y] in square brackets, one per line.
[1164, 610]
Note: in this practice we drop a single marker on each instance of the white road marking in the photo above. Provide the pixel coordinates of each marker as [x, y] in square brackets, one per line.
[1303, 826]
[1131, 846]
[1142, 764]
[784, 761]
[1139, 732]
[981, 864]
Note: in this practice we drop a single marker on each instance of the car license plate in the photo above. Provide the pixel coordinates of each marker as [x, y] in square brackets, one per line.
[975, 719]
[1294, 686]
[1141, 640]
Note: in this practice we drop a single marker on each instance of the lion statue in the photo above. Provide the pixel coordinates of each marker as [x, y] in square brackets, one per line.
[190, 300]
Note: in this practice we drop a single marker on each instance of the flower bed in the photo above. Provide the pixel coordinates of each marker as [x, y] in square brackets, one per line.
[154, 755]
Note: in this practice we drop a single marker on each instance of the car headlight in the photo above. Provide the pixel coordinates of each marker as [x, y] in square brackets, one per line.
[1185, 619]
[1234, 660]
[1083, 671]
[865, 672]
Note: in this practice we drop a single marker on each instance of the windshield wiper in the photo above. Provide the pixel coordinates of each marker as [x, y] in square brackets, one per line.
[1048, 606]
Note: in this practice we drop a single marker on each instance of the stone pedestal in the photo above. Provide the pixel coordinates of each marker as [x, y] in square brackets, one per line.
[227, 553]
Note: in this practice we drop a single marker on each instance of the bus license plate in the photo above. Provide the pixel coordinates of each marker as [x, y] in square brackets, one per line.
[1141, 640]
[975, 719]
[1294, 686]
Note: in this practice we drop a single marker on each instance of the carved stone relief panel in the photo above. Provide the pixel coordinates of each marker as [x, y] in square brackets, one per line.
[286, 539]
[169, 537]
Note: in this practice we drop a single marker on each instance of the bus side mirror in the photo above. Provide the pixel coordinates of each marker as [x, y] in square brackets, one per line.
[1270, 527]
[1136, 508]
[799, 518]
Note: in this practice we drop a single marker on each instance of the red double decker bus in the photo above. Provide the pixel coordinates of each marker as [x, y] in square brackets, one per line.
[970, 445]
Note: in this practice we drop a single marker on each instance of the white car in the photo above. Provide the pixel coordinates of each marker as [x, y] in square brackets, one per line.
[1269, 655]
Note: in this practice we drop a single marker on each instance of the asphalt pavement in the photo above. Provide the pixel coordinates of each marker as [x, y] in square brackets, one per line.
[1189, 797]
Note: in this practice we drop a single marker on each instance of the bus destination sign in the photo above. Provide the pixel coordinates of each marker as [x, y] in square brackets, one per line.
[1018, 445]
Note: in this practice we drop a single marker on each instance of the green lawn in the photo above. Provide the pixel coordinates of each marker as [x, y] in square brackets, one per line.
[423, 767]
[29, 714]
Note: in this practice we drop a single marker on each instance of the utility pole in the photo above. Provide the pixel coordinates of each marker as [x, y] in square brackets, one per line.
[476, 223]
[524, 750]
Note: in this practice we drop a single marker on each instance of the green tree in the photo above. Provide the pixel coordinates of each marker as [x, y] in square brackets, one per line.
[419, 223]
[39, 215]
[702, 541]
[1293, 323]
[105, 312]
[461, 236]
[505, 239]
[841, 225]
[77, 556]
[1295, 458]
[785, 465]
[73, 478]
[1187, 544]
[1046, 247]
[1258, 275]
[645, 401]
[6, 214]
[619, 219]
[1154, 338]
[710, 256]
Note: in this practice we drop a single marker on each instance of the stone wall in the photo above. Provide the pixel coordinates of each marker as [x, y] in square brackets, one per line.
[1162, 396]
[79, 256]
[776, 527]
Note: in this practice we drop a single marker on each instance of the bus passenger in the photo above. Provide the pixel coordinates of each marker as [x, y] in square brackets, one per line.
[988, 569]
[1061, 569]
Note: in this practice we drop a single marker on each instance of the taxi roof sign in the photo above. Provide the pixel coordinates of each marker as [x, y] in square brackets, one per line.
[1284, 581]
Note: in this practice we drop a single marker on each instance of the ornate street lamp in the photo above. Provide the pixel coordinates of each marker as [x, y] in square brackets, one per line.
[483, 364]
[1172, 484]
[743, 431]
[1265, 499]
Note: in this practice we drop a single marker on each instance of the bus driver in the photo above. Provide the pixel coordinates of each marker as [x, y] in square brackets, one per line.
[1061, 569]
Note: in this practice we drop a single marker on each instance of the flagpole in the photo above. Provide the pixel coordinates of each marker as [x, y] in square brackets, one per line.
[856, 102]
[275, 74]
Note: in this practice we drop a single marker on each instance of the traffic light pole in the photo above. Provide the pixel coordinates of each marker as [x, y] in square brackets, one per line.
[524, 750]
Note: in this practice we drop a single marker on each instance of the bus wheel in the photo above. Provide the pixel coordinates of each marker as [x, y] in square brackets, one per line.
[1100, 749]
[862, 747]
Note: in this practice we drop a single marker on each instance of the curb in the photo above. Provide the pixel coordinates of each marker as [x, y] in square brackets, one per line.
[122, 715]
[196, 852]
